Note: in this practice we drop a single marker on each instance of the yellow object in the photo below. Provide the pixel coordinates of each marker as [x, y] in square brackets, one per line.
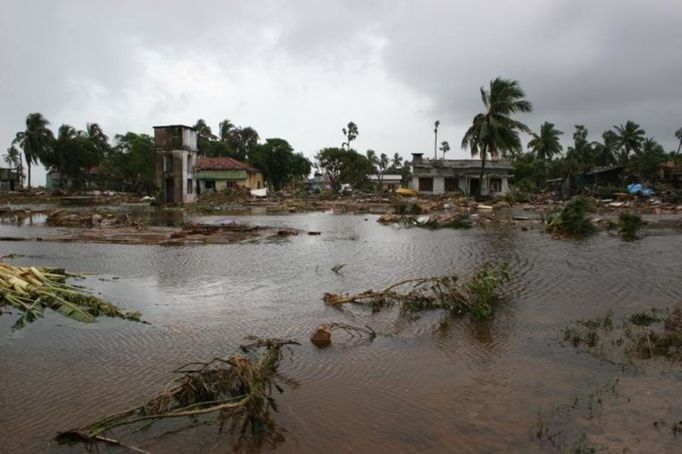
[407, 192]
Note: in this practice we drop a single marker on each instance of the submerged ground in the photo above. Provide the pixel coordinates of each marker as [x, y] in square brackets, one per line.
[511, 384]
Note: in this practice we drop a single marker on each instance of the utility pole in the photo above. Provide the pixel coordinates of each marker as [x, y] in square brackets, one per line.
[435, 140]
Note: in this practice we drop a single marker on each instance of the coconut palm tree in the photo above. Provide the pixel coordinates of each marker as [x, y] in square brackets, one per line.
[444, 147]
[94, 133]
[36, 140]
[350, 133]
[678, 136]
[397, 161]
[203, 130]
[226, 127]
[630, 138]
[494, 131]
[546, 144]
[607, 151]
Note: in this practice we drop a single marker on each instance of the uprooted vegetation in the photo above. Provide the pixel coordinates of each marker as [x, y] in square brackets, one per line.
[31, 290]
[642, 335]
[432, 222]
[237, 390]
[476, 295]
[572, 219]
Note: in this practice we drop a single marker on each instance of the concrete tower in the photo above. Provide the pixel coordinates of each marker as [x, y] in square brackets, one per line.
[176, 158]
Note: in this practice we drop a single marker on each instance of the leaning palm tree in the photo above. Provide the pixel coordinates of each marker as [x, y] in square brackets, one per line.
[546, 144]
[678, 136]
[630, 138]
[93, 132]
[494, 131]
[36, 140]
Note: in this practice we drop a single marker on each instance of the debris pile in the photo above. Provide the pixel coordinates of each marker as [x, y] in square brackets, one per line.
[475, 295]
[433, 222]
[32, 290]
[237, 390]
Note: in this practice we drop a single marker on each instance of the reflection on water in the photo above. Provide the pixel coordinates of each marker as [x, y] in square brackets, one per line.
[469, 388]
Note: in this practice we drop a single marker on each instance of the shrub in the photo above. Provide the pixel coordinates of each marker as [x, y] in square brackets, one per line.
[572, 220]
[628, 225]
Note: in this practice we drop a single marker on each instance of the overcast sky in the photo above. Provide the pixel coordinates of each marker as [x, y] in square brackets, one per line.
[301, 70]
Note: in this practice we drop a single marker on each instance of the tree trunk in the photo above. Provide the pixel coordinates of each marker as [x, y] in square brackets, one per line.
[28, 165]
[484, 152]
[435, 144]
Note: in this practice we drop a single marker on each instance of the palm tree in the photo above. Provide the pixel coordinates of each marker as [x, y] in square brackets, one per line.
[36, 140]
[494, 131]
[203, 130]
[226, 127]
[630, 138]
[678, 136]
[606, 152]
[444, 147]
[583, 151]
[546, 144]
[397, 161]
[94, 133]
[350, 134]
[435, 139]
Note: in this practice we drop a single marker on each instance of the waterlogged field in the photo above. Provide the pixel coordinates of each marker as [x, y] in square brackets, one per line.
[512, 384]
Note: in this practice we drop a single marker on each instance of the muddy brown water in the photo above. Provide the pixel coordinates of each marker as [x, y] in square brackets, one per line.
[470, 388]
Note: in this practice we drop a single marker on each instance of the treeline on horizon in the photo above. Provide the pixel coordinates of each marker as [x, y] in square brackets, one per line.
[128, 163]
[494, 133]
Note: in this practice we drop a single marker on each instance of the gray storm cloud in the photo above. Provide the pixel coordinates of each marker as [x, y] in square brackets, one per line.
[301, 69]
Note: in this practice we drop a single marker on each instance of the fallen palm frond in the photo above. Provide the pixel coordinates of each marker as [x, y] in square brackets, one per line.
[31, 290]
[237, 389]
[476, 295]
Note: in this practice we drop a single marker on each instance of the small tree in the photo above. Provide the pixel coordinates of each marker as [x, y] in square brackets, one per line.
[342, 166]
[444, 147]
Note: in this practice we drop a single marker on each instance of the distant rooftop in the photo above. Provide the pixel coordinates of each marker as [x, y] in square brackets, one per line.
[463, 163]
[223, 163]
[173, 126]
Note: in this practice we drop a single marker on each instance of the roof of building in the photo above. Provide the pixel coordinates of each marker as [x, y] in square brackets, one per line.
[173, 126]
[464, 163]
[223, 163]
[386, 177]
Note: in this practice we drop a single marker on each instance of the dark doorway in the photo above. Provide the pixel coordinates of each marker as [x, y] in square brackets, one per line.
[474, 184]
[170, 190]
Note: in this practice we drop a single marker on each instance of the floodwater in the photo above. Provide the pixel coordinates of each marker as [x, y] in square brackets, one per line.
[473, 387]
